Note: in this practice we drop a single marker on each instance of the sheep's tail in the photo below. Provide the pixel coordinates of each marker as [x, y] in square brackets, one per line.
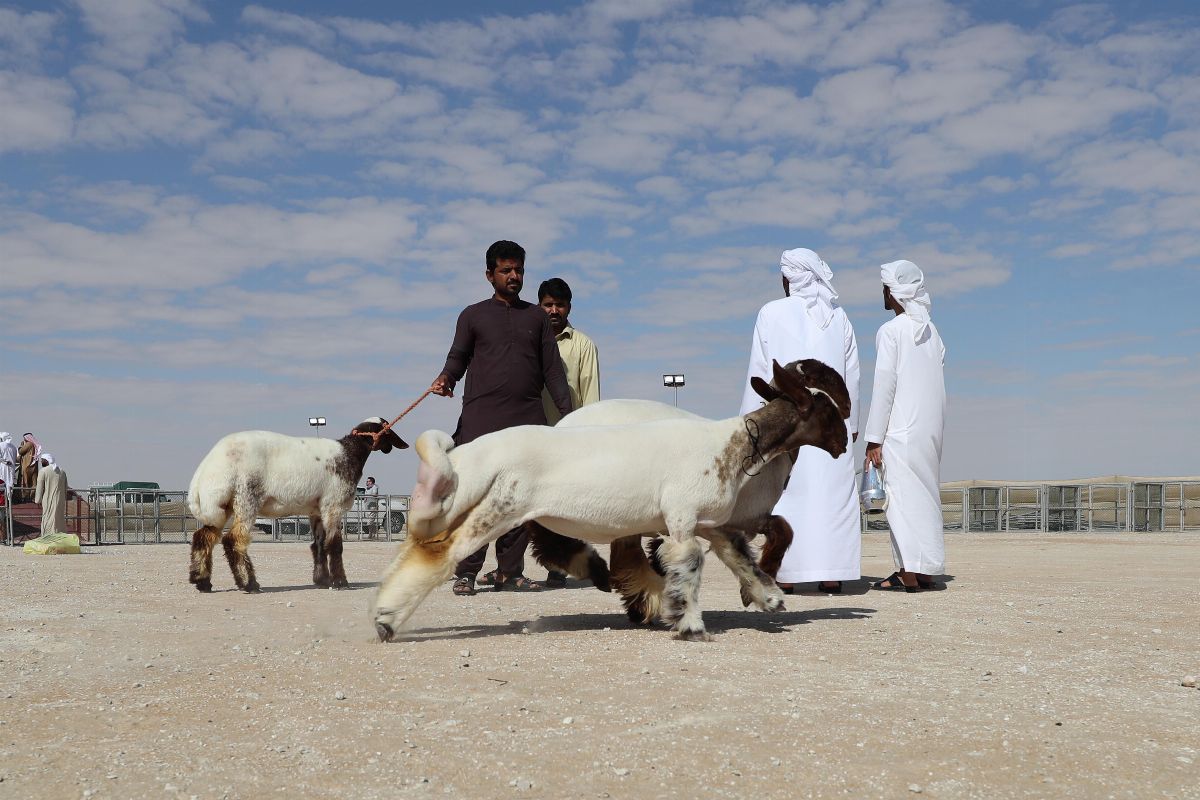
[437, 484]
[636, 580]
[209, 498]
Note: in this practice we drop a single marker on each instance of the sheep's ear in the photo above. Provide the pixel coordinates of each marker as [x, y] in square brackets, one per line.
[764, 390]
[395, 440]
[793, 385]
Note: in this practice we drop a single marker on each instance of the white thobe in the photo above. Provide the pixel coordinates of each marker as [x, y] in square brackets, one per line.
[51, 493]
[8, 463]
[908, 409]
[820, 502]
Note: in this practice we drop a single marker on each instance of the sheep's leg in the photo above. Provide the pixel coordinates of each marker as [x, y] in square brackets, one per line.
[778, 533]
[318, 547]
[756, 586]
[572, 556]
[332, 523]
[237, 546]
[203, 542]
[423, 563]
[683, 561]
[639, 585]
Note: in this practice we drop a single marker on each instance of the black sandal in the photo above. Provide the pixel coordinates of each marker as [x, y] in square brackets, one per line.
[464, 585]
[835, 590]
[894, 584]
[486, 579]
[516, 583]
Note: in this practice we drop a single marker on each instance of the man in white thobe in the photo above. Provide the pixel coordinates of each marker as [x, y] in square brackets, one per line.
[904, 428]
[8, 460]
[820, 501]
[51, 494]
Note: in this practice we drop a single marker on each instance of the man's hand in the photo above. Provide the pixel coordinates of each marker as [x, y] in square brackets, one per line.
[875, 454]
[441, 386]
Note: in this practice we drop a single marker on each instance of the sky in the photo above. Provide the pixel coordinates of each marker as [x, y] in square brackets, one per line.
[220, 216]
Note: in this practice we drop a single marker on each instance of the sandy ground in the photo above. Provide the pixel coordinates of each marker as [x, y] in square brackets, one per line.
[1050, 667]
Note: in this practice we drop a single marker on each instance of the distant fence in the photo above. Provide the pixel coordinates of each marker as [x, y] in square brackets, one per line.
[140, 516]
[151, 516]
[1142, 507]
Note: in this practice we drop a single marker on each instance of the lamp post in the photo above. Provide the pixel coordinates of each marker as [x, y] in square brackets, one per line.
[316, 422]
[674, 382]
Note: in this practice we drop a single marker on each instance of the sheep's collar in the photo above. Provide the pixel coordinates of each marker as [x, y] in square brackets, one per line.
[753, 431]
[387, 426]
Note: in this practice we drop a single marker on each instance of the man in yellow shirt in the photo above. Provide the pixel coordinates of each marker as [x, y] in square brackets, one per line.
[579, 360]
[577, 350]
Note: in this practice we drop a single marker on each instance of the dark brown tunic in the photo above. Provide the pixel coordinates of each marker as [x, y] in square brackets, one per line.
[508, 354]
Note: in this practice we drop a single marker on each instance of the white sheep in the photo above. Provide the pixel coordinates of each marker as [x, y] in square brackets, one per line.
[599, 484]
[639, 583]
[260, 473]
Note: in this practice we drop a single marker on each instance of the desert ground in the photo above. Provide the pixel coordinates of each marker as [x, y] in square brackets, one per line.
[1050, 666]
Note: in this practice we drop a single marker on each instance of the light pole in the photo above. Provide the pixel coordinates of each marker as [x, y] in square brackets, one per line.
[316, 422]
[674, 382]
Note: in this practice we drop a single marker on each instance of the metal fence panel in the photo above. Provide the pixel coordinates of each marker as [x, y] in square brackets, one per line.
[162, 516]
[103, 516]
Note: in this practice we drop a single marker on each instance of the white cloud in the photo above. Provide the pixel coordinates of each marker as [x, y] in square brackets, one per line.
[185, 244]
[133, 31]
[35, 113]
[24, 37]
[307, 30]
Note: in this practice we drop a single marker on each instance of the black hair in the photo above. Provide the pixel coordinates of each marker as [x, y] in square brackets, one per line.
[370, 477]
[506, 250]
[556, 288]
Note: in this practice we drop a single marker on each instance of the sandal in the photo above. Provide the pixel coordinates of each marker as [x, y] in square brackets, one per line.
[486, 579]
[929, 586]
[837, 588]
[464, 585]
[893, 584]
[516, 583]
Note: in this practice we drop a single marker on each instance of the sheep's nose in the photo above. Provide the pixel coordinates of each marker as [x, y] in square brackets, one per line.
[384, 631]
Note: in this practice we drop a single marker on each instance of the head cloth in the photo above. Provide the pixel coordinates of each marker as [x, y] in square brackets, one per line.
[906, 282]
[810, 279]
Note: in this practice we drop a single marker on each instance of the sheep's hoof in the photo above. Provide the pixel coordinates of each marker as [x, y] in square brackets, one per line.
[204, 586]
[253, 588]
[340, 583]
[384, 631]
[773, 603]
[747, 598]
[693, 636]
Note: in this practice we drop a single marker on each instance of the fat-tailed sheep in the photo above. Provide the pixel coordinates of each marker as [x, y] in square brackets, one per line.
[600, 484]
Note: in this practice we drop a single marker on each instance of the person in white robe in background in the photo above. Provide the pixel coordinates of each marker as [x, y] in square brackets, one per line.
[8, 460]
[820, 501]
[51, 494]
[904, 428]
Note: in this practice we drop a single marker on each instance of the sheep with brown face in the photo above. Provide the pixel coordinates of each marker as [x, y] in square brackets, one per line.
[600, 484]
[638, 579]
[263, 474]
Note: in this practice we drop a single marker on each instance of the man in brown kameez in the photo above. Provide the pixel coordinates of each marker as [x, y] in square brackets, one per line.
[506, 348]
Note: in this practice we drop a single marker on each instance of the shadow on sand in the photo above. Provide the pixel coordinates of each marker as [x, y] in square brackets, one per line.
[354, 586]
[716, 622]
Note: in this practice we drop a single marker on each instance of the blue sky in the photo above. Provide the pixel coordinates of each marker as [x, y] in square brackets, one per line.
[222, 216]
